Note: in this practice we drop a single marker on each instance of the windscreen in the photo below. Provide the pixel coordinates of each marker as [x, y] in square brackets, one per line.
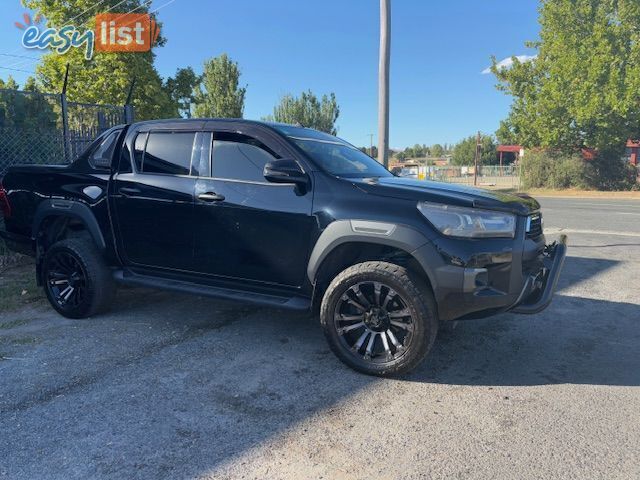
[333, 154]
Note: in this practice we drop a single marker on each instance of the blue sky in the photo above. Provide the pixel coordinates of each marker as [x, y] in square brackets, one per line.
[438, 51]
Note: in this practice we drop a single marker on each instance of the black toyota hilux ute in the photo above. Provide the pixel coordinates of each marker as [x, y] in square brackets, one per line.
[282, 216]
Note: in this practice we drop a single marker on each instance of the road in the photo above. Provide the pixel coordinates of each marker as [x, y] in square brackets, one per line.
[170, 386]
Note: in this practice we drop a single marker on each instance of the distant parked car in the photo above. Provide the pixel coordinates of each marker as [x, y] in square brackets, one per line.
[410, 170]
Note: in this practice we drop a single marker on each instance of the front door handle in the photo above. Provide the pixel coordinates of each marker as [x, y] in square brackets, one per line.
[129, 191]
[211, 197]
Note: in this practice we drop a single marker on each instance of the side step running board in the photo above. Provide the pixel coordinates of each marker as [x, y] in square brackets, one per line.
[290, 303]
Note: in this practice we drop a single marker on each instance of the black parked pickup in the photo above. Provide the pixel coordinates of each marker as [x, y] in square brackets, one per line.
[283, 216]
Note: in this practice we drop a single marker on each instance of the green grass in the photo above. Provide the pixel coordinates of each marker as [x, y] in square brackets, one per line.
[18, 288]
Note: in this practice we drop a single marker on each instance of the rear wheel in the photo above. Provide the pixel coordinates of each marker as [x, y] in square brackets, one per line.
[76, 280]
[378, 318]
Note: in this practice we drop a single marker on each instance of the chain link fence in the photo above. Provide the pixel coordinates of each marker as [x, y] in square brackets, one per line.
[488, 175]
[42, 128]
[495, 176]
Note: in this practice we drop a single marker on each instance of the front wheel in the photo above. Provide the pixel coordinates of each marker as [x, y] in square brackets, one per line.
[378, 318]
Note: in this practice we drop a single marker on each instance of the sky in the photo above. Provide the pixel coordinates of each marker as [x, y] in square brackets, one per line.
[439, 49]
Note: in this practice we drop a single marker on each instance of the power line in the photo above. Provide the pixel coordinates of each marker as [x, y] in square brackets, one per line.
[18, 56]
[18, 70]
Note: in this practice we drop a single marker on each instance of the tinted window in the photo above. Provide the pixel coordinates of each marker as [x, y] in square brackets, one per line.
[168, 153]
[138, 150]
[102, 155]
[240, 157]
[341, 159]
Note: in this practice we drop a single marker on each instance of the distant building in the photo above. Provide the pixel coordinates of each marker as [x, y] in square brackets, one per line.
[632, 152]
[515, 151]
[633, 148]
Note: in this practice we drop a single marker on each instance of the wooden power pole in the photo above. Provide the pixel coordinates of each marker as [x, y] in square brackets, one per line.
[383, 82]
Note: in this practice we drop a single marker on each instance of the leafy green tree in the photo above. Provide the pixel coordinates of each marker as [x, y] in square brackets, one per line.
[464, 151]
[437, 150]
[106, 77]
[29, 127]
[309, 111]
[25, 111]
[180, 89]
[219, 94]
[10, 84]
[583, 89]
[419, 151]
[505, 133]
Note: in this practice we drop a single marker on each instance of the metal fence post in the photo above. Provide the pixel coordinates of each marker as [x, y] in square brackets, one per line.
[129, 114]
[128, 107]
[65, 117]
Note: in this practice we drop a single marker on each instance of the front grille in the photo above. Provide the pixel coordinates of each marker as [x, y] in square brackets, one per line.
[534, 225]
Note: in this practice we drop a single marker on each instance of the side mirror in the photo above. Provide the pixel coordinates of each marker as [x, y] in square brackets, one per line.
[285, 170]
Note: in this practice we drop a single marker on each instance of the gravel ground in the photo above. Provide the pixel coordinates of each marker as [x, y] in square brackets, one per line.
[171, 386]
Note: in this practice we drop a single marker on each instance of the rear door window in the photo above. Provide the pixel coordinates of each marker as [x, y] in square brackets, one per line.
[168, 153]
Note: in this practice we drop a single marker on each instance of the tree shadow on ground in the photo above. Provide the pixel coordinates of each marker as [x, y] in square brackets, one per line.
[174, 386]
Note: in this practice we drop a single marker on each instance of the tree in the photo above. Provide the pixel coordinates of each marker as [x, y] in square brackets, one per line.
[464, 151]
[419, 151]
[505, 133]
[583, 89]
[28, 126]
[218, 94]
[180, 89]
[106, 77]
[307, 110]
[437, 150]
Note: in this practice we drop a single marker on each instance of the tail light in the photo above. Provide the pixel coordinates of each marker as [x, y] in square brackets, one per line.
[5, 207]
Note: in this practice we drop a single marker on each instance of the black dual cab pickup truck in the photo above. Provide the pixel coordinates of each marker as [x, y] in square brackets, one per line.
[284, 216]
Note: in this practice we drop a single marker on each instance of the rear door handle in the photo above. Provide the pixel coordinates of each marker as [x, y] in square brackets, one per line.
[129, 191]
[210, 197]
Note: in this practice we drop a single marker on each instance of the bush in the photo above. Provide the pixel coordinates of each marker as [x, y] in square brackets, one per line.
[554, 170]
[608, 172]
[547, 169]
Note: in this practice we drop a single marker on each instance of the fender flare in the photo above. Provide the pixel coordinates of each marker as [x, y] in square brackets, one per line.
[383, 233]
[71, 209]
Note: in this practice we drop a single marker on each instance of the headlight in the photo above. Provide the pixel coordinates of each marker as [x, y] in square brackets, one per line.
[468, 222]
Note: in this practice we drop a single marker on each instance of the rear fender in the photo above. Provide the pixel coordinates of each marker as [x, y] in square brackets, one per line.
[71, 209]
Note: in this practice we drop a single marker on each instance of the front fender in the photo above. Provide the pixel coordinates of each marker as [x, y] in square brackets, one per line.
[346, 231]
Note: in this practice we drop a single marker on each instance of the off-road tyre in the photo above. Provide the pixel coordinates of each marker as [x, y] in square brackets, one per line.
[77, 262]
[414, 297]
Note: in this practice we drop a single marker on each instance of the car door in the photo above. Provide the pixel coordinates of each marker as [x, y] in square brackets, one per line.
[152, 198]
[248, 228]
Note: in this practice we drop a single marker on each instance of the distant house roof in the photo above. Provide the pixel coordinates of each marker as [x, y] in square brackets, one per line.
[509, 148]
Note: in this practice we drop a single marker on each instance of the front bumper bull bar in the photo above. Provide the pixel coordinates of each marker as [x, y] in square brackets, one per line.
[538, 290]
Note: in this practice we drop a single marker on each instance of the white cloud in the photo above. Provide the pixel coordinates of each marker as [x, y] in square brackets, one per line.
[508, 62]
